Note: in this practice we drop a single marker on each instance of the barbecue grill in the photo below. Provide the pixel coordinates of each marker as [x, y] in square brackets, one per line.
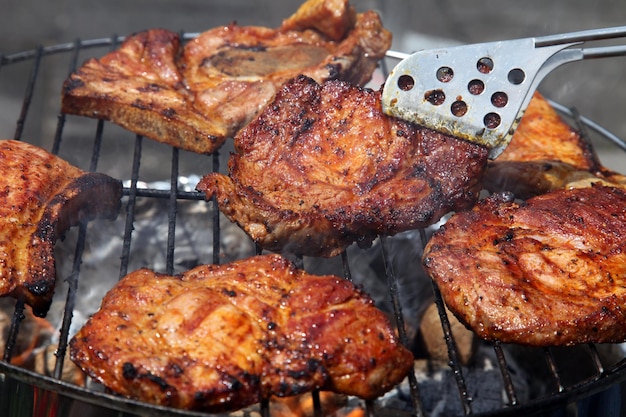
[157, 212]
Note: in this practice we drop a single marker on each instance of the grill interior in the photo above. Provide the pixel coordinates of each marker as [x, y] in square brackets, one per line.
[167, 215]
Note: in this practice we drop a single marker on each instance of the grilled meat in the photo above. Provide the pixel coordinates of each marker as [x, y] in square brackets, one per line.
[546, 154]
[43, 196]
[197, 96]
[543, 135]
[322, 167]
[551, 271]
[139, 87]
[222, 337]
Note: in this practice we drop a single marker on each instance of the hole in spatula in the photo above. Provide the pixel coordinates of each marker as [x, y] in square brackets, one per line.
[406, 82]
[476, 87]
[484, 65]
[516, 76]
[435, 97]
[492, 120]
[499, 99]
[459, 108]
[445, 74]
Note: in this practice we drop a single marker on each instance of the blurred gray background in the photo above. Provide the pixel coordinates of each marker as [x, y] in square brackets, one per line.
[596, 88]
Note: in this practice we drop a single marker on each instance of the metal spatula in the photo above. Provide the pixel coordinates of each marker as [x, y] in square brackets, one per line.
[479, 92]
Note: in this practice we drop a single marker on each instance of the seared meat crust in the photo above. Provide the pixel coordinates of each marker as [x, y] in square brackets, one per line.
[322, 167]
[218, 338]
[195, 97]
[546, 154]
[551, 271]
[43, 196]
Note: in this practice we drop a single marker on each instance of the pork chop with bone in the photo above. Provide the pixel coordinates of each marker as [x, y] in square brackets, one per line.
[195, 96]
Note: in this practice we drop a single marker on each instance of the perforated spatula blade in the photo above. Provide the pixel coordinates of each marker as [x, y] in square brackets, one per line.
[479, 92]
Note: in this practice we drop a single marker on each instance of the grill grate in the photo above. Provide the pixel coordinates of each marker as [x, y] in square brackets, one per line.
[561, 394]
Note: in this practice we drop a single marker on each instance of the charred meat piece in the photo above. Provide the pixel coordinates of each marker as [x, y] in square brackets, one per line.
[546, 154]
[43, 196]
[322, 167]
[194, 97]
[528, 179]
[550, 271]
[219, 338]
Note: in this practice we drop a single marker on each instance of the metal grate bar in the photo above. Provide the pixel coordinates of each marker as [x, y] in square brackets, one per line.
[61, 117]
[455, 363]
[164, 194]
[58, 48]
[596, 358]
[554, 370]
[171, 214]
[97, 145]
[130, 208]
[509, 388]
[392, 285]
[70, 301]
[28, 96]
[216, 215]
[347, 273]
[317, 404]
[18, 316]
[69, 46]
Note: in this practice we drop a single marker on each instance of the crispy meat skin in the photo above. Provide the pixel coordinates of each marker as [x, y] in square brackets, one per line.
[546, 154]
[222, 337]
[197, 96]
[322, 167]
[42, 196]
[548, 272]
